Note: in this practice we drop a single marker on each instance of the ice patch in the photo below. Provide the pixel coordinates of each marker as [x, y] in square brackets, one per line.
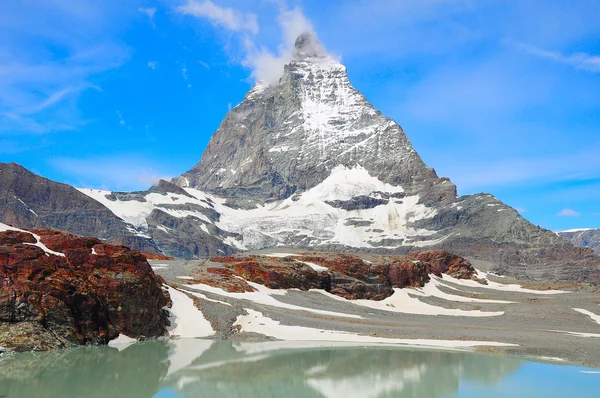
[432, 289]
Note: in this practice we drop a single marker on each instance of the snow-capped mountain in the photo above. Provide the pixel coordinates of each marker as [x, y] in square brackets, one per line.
[309, 163]
[287, 138]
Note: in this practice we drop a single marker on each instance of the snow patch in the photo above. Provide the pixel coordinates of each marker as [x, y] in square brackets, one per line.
[402, 302]
[186, 320]
[497, 286]
[4, 228]
[258, 323]
[121, 342]
[263, 296]
[595, 318]
[315, 267]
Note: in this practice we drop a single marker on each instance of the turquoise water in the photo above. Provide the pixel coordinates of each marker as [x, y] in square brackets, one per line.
[201, 368]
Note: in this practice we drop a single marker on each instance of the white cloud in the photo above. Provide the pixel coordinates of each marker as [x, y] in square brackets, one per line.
[268, 66]
[152, 65]
[39, 88]
[121, 120]
[204, 64]
[583, 61]
[227, 17]
[568, 213]
[149, 12]
[184, 73]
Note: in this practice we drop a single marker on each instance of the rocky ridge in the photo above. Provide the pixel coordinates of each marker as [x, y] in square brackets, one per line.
[29, 201]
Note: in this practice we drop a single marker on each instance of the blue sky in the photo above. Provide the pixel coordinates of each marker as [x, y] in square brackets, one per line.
[501, 96]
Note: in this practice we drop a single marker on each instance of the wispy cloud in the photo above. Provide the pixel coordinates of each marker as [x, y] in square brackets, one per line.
[124, 172]
[568, 213]
[580, 60]
[121, 120]
[149, 12]
[265, 64]
[153, 65]
[49, 57]
[229, 18]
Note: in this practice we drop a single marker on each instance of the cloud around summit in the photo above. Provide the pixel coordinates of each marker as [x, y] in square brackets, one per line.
[266, 64]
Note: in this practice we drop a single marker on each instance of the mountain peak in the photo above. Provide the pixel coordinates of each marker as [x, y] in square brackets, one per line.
[308, 46]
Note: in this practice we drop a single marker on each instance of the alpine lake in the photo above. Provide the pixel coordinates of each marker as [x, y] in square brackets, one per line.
[207, 368]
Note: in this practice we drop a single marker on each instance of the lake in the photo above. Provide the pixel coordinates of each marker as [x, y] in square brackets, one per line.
[205, 368]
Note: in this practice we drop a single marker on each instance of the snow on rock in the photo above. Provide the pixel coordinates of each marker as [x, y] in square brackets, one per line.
[346, 183]
[258, 323]
[135, 212]
[316, 267]
[497, 286]
[4, 227]
[121, 342]
[263, 295]
[311, 215]
[402, 302]
[595, 318]
[187, 321]
[432, 289]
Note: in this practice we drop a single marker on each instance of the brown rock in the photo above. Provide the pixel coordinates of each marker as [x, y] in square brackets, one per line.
[77, 299]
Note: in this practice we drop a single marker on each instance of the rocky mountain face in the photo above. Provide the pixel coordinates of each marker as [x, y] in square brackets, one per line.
[29, 201]
[285, 139]
[59, 290]
[588, 237]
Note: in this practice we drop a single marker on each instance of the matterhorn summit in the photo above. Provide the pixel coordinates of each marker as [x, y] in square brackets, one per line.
[287, 138]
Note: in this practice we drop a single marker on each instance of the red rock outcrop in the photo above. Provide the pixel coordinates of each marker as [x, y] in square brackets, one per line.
[89, 296]
[440, 262]
[347, 276]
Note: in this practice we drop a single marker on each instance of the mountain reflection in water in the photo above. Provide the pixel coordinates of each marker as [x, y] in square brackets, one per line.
[204, 368]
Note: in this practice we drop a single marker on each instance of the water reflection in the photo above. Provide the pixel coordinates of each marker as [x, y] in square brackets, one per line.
[203, 368]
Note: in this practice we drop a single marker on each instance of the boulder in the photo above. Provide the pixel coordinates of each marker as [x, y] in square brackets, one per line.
[90, 296]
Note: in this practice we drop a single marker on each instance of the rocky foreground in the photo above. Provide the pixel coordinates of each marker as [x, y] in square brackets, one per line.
[59, 290]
